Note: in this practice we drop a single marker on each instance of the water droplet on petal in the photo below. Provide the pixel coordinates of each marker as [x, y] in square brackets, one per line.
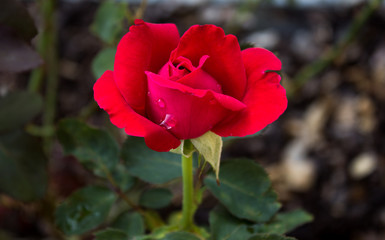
[168, 122]
[160, 103]
[148, 93]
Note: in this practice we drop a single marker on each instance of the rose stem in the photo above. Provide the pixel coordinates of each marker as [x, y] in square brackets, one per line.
[188, 188]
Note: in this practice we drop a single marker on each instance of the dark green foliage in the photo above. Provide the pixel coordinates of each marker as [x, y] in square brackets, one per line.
[148, 165]
[23, 166]
[84, 210]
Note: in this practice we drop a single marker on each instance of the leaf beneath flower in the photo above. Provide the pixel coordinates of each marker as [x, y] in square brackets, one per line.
[245, 190]
[210, 146]
[183, 150]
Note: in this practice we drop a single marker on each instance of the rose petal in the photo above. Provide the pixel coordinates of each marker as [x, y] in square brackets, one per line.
[265, 98]
[259, 60]
[199, 79]
[108, 97]
[146, 47]
[225, 60]
[226, 101]
[187, 113]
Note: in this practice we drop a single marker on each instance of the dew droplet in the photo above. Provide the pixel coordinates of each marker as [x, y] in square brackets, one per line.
[168, 122]
[161, 103]
[148, 93]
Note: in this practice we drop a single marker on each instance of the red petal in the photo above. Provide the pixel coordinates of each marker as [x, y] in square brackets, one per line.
[265, 98]
[187, 113]
[199, 79]
[146, 47]
[259, 60]
[108, 97]
[225, 61]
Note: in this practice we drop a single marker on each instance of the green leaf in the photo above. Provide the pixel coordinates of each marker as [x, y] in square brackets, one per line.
[108, 22]
[131, 223]
[270, 237]
[148, 165]
[180, 236]
[155, 198]
[18, 108]
[23, 166]
[94, 148]
[245, 190]
[103, 61]
[286, 222]
[84, 210]
[210, 146]
[122, 177]
[223, 226]
[111, 234]
[185, 149]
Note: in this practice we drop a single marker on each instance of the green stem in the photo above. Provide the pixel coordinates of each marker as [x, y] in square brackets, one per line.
[47, 47]
[188, 190]
[52, 79]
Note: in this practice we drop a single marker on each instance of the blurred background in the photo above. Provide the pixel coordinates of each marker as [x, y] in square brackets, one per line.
[326, 153]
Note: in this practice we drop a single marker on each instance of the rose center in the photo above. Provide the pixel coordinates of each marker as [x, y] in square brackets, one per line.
[183, 71]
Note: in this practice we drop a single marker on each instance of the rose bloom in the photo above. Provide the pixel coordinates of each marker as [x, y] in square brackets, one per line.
[166, 88]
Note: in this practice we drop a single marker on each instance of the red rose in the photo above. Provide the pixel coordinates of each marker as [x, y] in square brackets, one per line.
[166, 88]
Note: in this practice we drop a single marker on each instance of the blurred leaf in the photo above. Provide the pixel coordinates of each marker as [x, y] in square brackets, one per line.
[148, 165]
[180, 236]
[223, 226]
[155, 198]
[286, 222]
[94, 148]
[111, 234]
[245, 190]
[130, 223]
[122, 177]
[23, 166]
[210, 146]
[108, 22]
[18, 108]
[84, 210]
[16, 55]
[270, 237]
[103, 61]
[16, 18]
